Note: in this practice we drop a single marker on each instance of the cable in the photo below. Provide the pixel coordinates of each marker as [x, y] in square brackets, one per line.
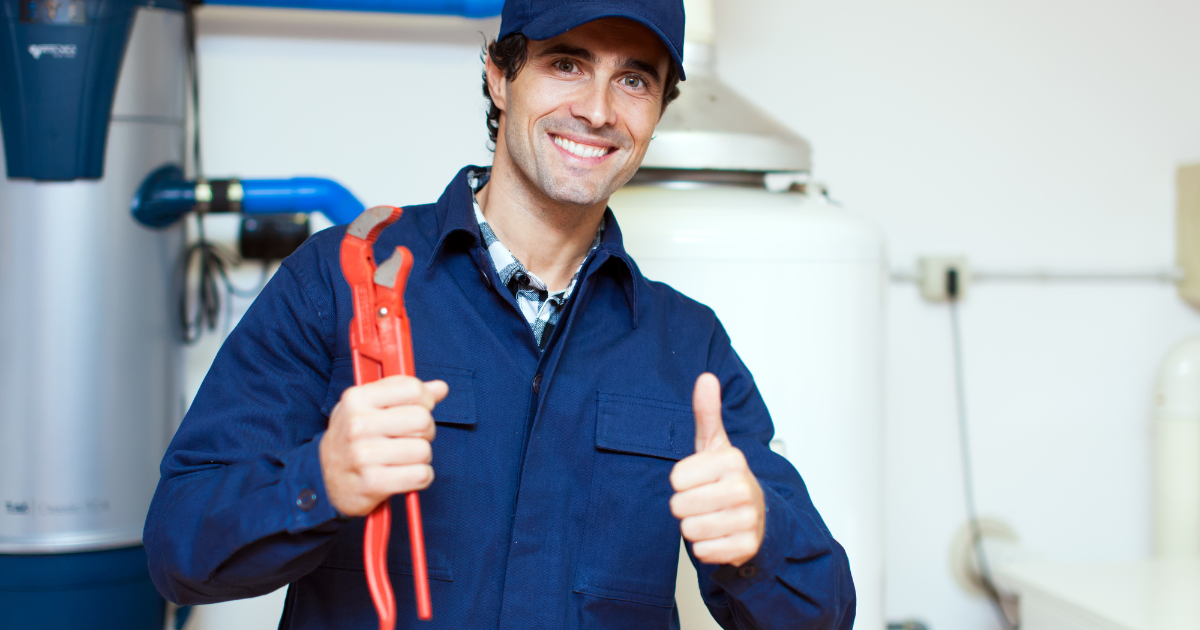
[189, 17]
[210, 261]
[985, 571]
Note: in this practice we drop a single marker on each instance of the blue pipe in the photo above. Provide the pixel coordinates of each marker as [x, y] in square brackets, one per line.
[166, 195]
[465, 8]
[300, 194]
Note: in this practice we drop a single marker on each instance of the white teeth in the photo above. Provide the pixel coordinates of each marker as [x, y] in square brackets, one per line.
[581, 150]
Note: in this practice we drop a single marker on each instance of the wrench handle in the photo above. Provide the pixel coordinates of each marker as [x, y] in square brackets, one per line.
[375, 542]
[416, 539]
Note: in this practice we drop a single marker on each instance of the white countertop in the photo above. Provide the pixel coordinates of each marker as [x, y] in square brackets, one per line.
[1155, 594]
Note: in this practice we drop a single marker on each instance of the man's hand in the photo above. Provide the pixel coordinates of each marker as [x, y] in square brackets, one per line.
[377, 444]
[717, 498]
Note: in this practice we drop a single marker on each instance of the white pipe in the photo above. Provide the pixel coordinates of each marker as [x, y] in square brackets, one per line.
[1170, 275]
[1176, 465]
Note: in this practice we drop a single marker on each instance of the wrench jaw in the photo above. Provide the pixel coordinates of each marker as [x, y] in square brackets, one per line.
[371, 222]
[390, 280]
[393, 272]
[358, 266]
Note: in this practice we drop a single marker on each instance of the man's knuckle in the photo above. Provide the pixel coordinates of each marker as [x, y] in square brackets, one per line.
[747, 518]
[425, 421]
[371, 482]
[359, 454]
[413, 390]
[424, 451]
[675, 479]
[356, 427]
[424, 476]
[353, 398]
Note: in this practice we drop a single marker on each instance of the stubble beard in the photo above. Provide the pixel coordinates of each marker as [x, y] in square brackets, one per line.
[585, 189]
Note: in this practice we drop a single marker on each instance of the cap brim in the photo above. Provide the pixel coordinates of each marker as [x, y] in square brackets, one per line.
[561, 19]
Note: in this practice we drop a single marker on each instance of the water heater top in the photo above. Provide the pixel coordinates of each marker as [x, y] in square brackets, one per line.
[59, 63]
[712, 127]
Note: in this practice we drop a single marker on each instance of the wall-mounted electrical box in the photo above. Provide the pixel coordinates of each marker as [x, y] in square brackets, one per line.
[943, 278]
[1187, 232]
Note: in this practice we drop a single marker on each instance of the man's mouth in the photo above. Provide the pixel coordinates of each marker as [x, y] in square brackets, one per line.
[579, 149]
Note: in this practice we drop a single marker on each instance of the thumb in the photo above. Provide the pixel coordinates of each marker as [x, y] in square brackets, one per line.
[706, 404]
[438, 388]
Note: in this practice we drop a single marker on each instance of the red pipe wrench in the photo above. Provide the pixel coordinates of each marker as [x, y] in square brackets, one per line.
[381, 345]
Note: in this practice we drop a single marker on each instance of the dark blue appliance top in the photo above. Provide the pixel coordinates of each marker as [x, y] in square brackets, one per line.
[59, 63]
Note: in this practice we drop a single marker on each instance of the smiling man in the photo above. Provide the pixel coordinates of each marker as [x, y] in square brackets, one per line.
[585, 417]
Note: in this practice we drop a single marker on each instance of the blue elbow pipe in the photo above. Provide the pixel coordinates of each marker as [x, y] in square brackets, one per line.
[163, 197]
[166, 195]
[300, 194]
[465, 8]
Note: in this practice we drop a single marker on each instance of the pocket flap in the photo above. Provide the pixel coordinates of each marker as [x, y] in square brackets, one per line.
[644, 426]
[459, 405]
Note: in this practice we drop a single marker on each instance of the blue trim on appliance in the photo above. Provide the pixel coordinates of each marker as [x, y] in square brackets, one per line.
[465, 8]
[100, 590]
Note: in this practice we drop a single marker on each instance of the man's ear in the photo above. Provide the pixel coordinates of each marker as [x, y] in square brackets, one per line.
[497, 84]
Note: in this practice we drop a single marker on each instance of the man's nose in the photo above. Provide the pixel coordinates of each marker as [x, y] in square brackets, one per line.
[595, 104]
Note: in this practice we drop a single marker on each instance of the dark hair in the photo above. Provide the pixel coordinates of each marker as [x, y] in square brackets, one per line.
[511, 53]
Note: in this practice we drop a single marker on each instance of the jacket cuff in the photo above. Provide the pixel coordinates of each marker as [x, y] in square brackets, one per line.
[303, 497]
[765, 564]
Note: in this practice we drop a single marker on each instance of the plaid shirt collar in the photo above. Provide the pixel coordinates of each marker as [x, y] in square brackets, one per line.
[454, 214]
[540, 307]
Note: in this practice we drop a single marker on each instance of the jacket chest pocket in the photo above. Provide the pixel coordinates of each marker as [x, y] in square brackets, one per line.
[630, 547]
[455, 417]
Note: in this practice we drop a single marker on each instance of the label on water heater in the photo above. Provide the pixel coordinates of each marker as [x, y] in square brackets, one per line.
[57, 51]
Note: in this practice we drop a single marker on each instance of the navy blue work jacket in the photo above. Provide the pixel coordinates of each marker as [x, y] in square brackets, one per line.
[550, 506]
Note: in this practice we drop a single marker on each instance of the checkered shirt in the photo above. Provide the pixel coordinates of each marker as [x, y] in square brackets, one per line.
[540, 307]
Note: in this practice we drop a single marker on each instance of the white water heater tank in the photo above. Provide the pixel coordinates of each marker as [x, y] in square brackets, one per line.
[798, 283]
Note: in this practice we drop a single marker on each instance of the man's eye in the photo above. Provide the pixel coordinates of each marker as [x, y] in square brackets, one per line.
[565, 65]
[633, 81]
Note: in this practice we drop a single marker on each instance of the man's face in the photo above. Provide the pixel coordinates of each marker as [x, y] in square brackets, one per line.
[579, 116]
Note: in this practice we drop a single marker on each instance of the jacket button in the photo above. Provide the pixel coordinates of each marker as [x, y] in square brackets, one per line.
[748, 571]
[537, 384]
[307, 499]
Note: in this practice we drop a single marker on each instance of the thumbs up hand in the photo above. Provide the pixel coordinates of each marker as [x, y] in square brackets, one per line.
[717, 498]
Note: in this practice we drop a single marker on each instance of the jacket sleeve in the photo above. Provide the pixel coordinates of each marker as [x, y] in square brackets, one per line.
[240, 508]
[801, 575]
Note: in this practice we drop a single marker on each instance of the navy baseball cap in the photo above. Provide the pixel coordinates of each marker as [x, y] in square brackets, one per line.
[543, 19]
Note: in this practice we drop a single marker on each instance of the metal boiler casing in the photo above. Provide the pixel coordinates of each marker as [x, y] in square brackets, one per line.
[89, 362]
[797, 281]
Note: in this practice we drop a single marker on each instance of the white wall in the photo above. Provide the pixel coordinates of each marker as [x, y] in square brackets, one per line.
[1022, 133]
[1019, 133]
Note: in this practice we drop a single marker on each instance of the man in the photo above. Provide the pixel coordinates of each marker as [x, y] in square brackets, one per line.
[584, 416]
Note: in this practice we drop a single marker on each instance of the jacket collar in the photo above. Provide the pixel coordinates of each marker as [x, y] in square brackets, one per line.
[455, 213]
